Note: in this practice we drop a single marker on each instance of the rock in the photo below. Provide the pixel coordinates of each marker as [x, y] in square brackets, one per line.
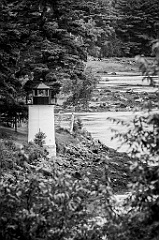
[94, 99]
[106, 90]
[87, 152]
[129, 90]
[122, 105]
[113, 73]
[95, 151]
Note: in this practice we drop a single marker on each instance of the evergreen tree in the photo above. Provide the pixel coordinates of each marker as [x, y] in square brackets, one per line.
[100, 24]
[137, 25]
[42, 39]
[11, 91]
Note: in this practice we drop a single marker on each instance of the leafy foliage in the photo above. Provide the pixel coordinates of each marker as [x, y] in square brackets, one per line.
[81, 90]
[46, 199]
[137, 25]
[141, 220]
[100, 24]
[42, 39]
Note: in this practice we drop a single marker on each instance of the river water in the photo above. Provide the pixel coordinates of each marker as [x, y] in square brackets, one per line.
[98, 124]
[123, 83]
[101, 127]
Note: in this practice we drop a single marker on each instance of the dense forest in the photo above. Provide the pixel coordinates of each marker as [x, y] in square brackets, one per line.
[48, 40]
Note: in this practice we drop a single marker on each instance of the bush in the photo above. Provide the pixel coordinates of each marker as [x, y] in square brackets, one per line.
[141, 222]
[41, 199]
[40, 139]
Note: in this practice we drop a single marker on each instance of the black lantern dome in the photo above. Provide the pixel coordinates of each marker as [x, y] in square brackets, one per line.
[41, 94]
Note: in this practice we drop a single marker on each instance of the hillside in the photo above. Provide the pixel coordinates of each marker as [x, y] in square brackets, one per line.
[80, 148]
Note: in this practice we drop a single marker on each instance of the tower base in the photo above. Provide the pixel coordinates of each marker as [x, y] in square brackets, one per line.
[41, 119]
[51, 150]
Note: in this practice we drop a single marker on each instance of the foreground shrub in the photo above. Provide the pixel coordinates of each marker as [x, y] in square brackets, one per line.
[42, 200]
[141, 221]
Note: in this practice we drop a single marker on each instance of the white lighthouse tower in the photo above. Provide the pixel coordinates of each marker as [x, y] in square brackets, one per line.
[41, 117]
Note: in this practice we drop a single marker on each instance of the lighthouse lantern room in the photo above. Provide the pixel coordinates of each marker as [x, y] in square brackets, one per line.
[41, 117]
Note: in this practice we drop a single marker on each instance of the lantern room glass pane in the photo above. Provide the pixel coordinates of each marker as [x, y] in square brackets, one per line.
[47, 92]
[41, 93]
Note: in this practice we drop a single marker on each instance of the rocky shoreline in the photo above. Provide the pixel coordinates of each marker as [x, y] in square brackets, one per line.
[106, 100]
[109, 100]
[81, 148]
